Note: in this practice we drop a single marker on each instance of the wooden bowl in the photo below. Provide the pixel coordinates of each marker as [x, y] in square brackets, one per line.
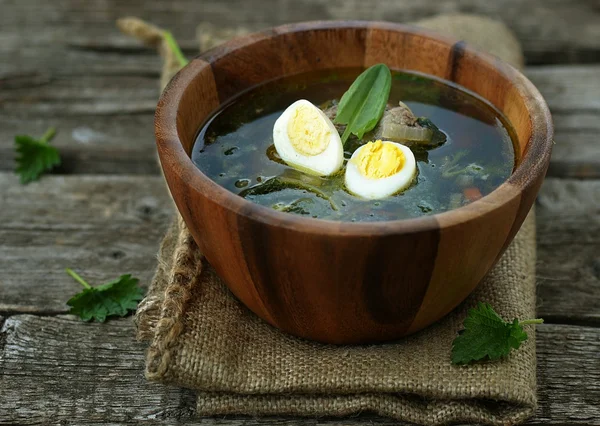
[342, 282]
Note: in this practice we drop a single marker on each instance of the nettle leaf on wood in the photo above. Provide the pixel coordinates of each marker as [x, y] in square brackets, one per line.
[114, 298]
[35, 156]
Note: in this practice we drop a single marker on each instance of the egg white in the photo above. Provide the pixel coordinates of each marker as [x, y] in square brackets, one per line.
[324, 164]
[374, 189]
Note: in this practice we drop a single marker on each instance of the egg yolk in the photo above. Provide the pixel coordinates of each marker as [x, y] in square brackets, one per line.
[307, 131]
[377, 160]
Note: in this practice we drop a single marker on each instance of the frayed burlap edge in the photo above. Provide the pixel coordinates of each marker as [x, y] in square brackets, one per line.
[406, 408]
[159, 317]
[154, 37]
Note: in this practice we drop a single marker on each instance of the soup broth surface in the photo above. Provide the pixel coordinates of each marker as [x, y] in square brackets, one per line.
[235, 149]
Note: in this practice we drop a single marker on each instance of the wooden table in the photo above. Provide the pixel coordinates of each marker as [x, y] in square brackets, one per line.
[63, 64]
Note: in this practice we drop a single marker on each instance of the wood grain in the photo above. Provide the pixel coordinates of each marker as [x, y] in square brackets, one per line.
[559, 355]
[63, 35]
[62, 370]
[101, 226]
[342, 297]
[568, 268]
[575, 118]
[59, 369]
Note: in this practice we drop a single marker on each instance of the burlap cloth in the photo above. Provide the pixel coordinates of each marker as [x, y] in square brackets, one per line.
[202, 338]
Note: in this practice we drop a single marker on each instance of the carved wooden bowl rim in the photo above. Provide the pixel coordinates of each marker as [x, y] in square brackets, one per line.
[532, 162]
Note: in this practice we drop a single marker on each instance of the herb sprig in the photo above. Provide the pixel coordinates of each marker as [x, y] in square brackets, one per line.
[115, 298]
[35, 156]
[487, 336]
[363, 104]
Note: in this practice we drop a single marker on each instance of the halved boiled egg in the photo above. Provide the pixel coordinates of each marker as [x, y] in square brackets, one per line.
[380, 169]
[307, 140]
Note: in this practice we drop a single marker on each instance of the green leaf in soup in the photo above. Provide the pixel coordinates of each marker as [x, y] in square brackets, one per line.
[363, 104]
[278, 183]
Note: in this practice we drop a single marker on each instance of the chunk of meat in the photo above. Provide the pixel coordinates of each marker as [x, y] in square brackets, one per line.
[330, 110]
[400, 115]
[398, 124]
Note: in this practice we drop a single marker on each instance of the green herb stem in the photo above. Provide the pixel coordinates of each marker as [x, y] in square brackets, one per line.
[311, 188]
[77, 278]
[49, 135]
[175, 48]
[346, 134]
[274, 184]
[532, 321]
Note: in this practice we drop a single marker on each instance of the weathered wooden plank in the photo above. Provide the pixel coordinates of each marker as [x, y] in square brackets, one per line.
[57, 369]
[80, 96]
[23, 56]
[576, 153]
[568, 267]
[568, 375]
[551, 30]
[120, 144]
[106, 122]
[2, 336]
[106, 226]
[102, 227]
[566, 89]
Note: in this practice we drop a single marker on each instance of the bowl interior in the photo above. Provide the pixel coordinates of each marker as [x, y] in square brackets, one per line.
[243, 63]
[215, 77]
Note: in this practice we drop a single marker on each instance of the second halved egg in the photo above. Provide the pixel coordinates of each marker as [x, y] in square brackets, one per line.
[380, 169]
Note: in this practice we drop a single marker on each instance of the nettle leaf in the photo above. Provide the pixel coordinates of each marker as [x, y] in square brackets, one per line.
[35, 156]
[487, 336]
[115, 298]
[363, 104]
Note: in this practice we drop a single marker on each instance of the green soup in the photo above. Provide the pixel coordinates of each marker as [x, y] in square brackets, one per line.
[235, 149]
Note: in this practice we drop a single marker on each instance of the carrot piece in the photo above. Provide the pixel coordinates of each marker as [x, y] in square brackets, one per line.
[472, 194]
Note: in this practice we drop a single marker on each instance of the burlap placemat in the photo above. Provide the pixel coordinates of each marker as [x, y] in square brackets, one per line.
[202, 338]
